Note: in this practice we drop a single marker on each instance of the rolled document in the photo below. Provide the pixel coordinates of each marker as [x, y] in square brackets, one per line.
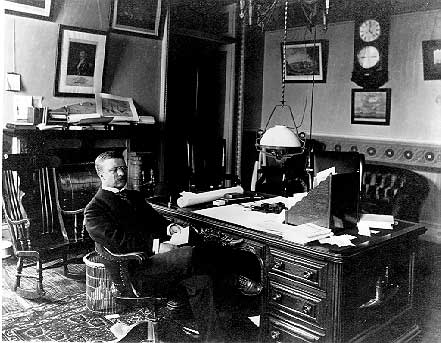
[189, 198]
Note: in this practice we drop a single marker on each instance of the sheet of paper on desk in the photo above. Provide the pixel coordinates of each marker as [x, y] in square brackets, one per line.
[379, 221]
[322, 175]
[242, 215]
[181, 237]
[341, 241]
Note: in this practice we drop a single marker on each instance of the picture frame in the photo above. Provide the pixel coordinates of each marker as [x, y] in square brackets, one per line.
[432, 59]
[371, 106]
[80, 62]
[306, 61]
[118, 107]
[138, 17]
[29, 8]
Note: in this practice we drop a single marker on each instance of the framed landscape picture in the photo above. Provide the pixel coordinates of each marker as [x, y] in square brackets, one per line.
[141, 17]
[432, 59]
[371, 106]
[80, 61]
[29, 8]
[306, 61]
[118, 107]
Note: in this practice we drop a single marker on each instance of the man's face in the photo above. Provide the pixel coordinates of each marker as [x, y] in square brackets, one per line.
[114, 173]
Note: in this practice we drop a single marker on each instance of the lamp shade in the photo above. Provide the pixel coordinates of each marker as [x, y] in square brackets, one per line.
[280, 136]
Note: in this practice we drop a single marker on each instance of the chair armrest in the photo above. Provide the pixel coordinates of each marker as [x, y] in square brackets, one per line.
[108, 255]
[24, 221]
[139, 256]
[72, 212]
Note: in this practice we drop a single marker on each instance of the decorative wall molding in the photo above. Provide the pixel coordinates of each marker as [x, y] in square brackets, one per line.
[414, 155]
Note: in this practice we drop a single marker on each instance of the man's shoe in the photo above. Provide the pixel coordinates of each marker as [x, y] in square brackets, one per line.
[248, 287]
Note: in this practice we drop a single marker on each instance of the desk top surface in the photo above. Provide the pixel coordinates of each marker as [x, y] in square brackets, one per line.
[401, 230]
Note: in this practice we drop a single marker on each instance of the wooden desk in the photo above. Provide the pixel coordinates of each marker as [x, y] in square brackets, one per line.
[322, 293]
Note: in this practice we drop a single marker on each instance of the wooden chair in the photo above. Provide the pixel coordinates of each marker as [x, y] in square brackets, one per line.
[36, 220]
[127, 293]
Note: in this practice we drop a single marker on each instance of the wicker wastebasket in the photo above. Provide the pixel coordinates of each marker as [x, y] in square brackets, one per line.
[99, 296]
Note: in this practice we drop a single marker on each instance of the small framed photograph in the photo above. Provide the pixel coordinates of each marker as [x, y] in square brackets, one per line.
[432, 59]
[306, 61]
[13, 82]
[140, 17]
[371, 106]
[118, 107]
[80, 62]
[29, 8]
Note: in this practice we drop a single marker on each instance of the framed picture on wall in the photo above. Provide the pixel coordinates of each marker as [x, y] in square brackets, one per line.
[29, 8]
[371, 106]
[80, 61]
[117, 107]
[432, 59]
[140, 17]
[306, 61]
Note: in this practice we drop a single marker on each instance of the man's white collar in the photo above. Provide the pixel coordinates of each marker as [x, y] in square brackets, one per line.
[113, 189]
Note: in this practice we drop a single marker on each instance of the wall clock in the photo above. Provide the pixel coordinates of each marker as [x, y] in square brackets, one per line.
[371, 43]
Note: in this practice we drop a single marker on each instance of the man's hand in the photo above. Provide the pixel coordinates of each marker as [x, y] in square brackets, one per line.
[165, 246]
[175, 228]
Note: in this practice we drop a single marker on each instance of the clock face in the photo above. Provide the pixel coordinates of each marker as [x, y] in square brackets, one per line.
[368, 57]
[370, 30]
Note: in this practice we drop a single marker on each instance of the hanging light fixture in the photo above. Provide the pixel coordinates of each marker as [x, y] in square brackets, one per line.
[280, 141]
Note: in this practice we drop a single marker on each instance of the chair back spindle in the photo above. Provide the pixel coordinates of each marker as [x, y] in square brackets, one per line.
[37, 221]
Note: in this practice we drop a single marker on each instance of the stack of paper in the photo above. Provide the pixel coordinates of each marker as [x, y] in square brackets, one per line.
[377, 221]
[305, 233]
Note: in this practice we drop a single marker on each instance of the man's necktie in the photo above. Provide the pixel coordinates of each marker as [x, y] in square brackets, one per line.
[123, 194]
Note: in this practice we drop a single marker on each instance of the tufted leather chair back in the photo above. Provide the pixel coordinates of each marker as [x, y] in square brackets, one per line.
[393, 190]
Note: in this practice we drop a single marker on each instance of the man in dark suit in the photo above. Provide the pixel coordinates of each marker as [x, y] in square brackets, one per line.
[122, 221]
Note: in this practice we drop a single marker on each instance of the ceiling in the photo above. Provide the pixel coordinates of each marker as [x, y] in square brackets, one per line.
[339, 10]
[345, 10]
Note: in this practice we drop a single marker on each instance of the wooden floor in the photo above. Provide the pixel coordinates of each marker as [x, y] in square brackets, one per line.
[427, 302]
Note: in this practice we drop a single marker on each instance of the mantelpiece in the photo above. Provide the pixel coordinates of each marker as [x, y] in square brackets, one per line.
[413, 155]
[84, 143]
[81, 147]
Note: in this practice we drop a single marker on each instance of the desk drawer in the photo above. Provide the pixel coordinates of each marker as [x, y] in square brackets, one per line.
[299, 268]
[281, 331]
[304, 307]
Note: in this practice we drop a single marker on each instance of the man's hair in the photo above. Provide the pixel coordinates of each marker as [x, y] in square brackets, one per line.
[106, 155]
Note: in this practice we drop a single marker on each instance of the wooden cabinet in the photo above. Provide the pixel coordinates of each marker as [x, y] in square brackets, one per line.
[323, 293]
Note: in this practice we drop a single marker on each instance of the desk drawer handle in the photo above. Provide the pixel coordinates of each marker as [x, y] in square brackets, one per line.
[275, 335]
[277, 297]
[279, 265]
[308, 275]
[307, 309]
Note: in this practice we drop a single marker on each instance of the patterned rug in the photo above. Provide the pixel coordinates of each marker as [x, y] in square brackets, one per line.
[65, 320]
